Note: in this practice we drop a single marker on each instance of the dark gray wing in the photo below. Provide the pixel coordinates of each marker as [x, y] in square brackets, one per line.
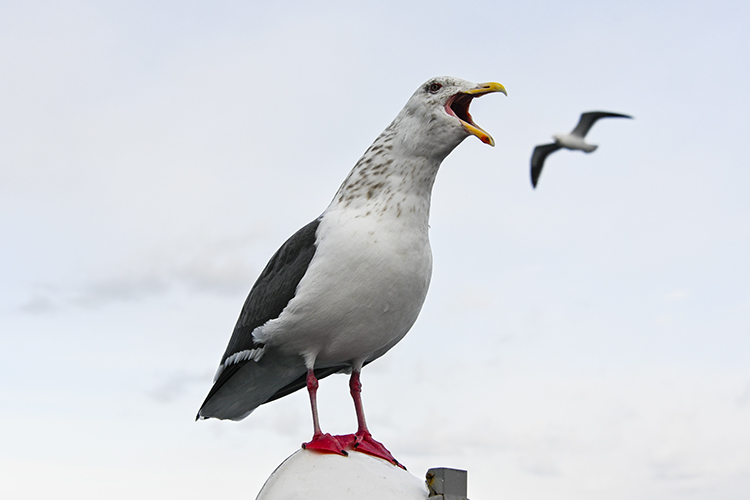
[271, 293]
[588, 119]
[275, 287]
[537, 159]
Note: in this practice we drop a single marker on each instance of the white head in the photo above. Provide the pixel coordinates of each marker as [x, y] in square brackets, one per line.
[407, 155]
[436, 118]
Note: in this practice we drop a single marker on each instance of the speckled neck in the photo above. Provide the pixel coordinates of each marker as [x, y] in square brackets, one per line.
[392, 176]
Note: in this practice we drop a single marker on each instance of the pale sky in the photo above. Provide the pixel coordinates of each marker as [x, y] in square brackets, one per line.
[585, 340]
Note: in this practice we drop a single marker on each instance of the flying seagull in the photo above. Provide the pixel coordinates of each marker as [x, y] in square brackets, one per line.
[345, 288]
[573, 140]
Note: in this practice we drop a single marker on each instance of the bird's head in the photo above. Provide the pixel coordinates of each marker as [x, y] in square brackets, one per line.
[439, 111]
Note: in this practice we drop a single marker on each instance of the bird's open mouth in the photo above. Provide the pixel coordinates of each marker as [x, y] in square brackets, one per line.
[458, 106]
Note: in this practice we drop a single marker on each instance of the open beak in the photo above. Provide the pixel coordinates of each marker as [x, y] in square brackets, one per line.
[458, 106]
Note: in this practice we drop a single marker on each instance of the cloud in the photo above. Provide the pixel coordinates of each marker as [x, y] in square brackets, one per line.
[175, 385]
[673, 469]
[38, 305]
[222, 267]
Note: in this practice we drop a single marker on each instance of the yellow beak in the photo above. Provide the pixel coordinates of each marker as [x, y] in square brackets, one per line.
[487, 88]
[473, 128]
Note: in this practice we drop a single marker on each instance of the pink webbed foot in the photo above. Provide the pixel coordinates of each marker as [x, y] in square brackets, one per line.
[346, 441]
[364, 443]
[325, 443]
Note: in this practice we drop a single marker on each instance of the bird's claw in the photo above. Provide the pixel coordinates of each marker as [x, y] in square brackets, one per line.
[363, 442]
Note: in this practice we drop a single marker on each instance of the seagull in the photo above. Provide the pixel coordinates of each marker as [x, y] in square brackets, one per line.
[574, 140]
[345, 288]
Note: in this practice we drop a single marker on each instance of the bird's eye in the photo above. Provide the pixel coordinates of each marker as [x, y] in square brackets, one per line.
[435, 86]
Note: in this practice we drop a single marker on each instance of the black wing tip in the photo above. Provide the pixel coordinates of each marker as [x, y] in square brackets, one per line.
[535, 177]
[199, 416]
[223, 377]
[538, 157]
[606, 114]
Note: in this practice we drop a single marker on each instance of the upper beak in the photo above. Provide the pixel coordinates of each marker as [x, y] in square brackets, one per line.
[487, 88]
[458, 106]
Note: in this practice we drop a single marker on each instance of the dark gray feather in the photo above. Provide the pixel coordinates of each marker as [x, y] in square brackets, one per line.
[588, 119]
[270, 294]
[275, 287]
[537, 159]
[244, 386]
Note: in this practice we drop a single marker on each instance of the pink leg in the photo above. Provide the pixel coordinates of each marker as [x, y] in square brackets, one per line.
[324, 443]
[363, 440]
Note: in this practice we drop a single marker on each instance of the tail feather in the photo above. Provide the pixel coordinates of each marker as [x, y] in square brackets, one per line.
[244, 386]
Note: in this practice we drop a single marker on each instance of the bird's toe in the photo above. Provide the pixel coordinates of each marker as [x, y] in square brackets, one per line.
[325, 443]
[365, 443]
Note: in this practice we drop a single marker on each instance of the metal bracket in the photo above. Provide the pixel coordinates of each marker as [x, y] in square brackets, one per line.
[447, 484]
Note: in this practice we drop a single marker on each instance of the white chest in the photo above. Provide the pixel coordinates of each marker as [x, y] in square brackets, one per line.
[574, 142]
[363, 291]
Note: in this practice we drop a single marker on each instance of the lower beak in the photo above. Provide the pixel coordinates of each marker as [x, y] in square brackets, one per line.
[473, 128]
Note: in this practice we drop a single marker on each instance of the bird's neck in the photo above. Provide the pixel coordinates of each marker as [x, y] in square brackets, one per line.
[389, 179]
[396, 174]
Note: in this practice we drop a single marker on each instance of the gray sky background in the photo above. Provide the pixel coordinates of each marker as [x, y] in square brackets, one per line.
[586, 340]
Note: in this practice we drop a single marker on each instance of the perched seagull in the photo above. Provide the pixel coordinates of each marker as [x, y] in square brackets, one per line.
[349, 285]
[573, 140]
